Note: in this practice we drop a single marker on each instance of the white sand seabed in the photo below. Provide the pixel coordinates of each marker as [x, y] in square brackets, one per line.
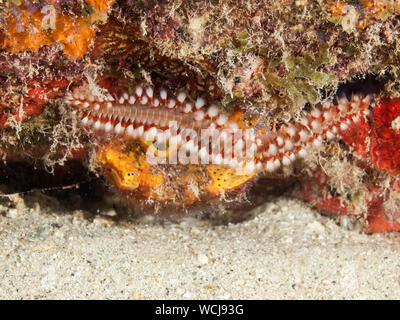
[287, 251]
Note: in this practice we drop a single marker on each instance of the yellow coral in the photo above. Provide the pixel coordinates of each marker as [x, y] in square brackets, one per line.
[26, 30]
[226, 179]
[129, 170]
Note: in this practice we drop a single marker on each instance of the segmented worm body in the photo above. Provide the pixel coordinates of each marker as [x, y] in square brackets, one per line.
[178, 120]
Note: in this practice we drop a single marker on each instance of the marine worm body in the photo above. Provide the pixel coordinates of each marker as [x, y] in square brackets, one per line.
[206, 132]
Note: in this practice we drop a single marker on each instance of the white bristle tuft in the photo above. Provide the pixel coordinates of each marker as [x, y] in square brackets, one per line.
[279, 141]
[330, 135]
[199, 115]
[343, 126]
[181, 97]
[304, 121]
[286, 161]
[163, 95]
[187, 108]
[132, 100]
[140, 130]
[200, 102]
[272, 150]
[250, 166]
[156, 103]
[315, 125]
[85, 120]
[108, 126]
[326, 105]
[315, 113]
[150, 92]
[303, 135]
[277, 163]
[366, 100]
[139, 91]
[217, 159]
[150, 134]
[342, 107]
[144, 100]
[343, 100]
[302, 153]
[270, 165]
[97, 124]
[130, 131]
[222, 120]
[317, 142]
[288, 145]
[119, 129]
[212, 111]
[171, 103]
[354, 105]
[291, 131]
[327, 116]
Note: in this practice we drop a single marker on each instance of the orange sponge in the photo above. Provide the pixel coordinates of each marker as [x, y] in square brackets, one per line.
[29, 29]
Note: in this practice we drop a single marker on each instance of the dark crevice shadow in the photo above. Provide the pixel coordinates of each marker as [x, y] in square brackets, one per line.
[370, 84]
[72, 188]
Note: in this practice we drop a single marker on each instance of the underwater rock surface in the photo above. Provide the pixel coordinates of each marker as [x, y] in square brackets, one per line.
[88, 87]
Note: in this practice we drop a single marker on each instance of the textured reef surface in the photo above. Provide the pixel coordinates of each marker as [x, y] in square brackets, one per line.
[302, 92]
